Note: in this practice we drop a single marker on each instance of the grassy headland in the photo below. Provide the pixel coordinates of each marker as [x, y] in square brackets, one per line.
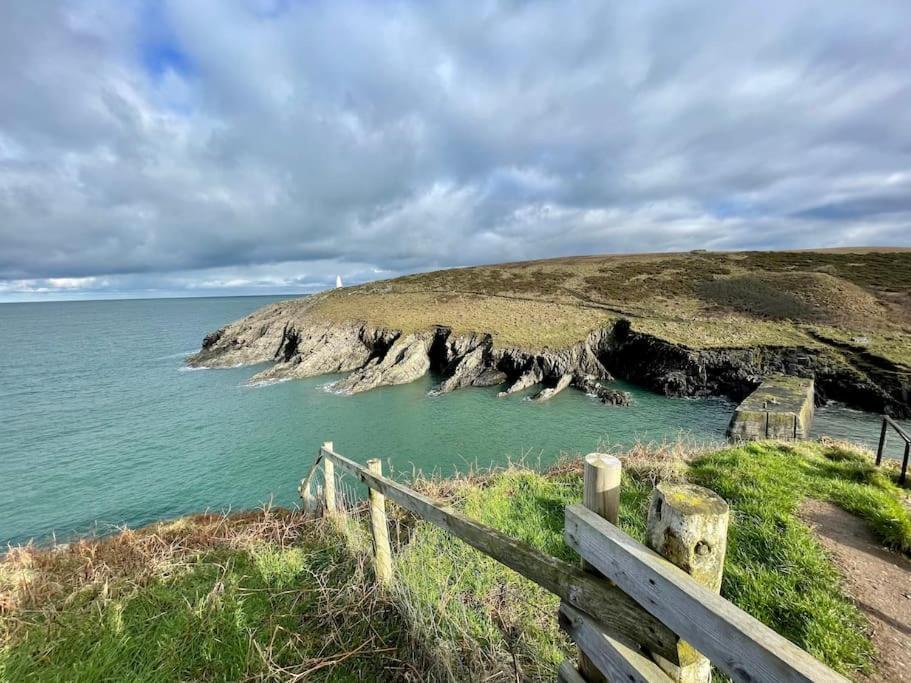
[697, 299]
[694, 324]
[273, 595]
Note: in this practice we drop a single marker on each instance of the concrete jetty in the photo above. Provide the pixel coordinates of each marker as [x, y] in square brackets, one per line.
[781, 408]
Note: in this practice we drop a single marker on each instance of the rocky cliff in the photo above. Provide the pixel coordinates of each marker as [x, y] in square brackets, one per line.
[300, 344]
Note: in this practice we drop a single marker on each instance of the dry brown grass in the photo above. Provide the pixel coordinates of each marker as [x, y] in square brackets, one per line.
[345, 624]
[511, 322]
[34, 579]
[699, 300]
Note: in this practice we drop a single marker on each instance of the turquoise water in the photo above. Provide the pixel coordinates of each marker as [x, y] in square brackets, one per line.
[101, 425]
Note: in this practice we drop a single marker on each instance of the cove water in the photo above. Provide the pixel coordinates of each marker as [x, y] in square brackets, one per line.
[102, 425]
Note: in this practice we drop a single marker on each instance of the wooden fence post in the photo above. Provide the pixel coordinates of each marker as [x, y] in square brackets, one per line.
[329, 477]
[382, 553]
[688, 524]
[601, 494]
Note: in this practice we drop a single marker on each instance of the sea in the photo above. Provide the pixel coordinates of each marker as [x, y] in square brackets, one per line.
[102, 425]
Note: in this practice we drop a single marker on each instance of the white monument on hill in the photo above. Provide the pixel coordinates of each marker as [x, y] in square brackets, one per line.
[338, 282]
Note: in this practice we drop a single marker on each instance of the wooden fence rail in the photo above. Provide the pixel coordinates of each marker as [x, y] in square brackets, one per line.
[629, 610]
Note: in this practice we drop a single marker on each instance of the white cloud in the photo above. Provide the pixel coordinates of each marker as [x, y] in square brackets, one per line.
[230, 145]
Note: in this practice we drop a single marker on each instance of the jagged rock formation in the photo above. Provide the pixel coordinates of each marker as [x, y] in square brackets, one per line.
[591, 386]
[675, 370]
[405, 361]
[548, 393]
[528, 378]
[470, 363]
[299, 344]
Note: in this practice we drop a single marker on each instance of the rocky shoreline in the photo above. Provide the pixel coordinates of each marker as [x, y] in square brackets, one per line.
[299, 345]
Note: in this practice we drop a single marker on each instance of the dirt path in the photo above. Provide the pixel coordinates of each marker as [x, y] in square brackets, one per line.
[878, 580]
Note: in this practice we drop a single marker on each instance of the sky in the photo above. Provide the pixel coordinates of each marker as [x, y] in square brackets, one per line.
[213, 147]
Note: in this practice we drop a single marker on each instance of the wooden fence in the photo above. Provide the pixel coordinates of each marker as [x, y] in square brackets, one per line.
[633, 613]
[889, 422]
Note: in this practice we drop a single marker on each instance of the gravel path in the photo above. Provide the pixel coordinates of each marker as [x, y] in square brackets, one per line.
[878, 580]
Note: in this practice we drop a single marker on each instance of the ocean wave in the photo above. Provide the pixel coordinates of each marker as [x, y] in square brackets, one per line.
[182, 354]
[329, 388]
[266, 382]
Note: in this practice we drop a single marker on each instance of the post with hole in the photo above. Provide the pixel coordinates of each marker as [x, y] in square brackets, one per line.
[633, 605]
[688, 525]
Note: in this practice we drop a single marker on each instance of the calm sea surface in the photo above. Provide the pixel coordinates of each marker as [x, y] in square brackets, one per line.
[100, 423]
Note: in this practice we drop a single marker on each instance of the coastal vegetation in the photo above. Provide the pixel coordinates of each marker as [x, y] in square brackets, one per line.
[277, 595]
[690, 324]
[704, 299]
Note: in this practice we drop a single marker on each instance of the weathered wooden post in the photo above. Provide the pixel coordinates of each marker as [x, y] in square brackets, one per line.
[329, 477]
[382, 553]
[688, 524]
[601, 494]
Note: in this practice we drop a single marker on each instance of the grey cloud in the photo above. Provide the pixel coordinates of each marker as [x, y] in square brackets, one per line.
[150, 148]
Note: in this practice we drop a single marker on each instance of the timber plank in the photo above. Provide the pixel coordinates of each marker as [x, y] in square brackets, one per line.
[612, 658]
[618, 613]
[737, 643]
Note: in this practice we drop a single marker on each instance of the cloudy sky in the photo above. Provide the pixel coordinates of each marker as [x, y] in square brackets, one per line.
[245, 146]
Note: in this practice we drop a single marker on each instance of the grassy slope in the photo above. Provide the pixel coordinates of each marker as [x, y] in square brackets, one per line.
[277, 596]
[262, 595]
[696, 299]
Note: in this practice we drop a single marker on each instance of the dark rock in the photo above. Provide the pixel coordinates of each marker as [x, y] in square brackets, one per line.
[591, 386]
[549, 392]
[533, 375]
[674, 370]
[212, 338]
[406, 360]
[300, 344]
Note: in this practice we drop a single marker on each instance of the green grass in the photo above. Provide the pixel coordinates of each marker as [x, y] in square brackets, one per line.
[700, 300]
[271, 596]
[775, 568]
[224, 609]
[202, 624]
[777, 477]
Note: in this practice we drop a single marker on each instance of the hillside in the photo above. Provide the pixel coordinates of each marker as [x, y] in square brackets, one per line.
[277, 595]
[677, 323]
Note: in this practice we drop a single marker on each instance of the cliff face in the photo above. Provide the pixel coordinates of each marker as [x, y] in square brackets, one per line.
[299, 344]
[675, 370]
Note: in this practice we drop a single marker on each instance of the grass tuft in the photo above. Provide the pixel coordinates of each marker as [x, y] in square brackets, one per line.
[274, 595]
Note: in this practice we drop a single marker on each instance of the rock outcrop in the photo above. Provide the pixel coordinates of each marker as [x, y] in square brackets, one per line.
[548, 393]
[675, 370]
[405, 361]
[530, 377]
[324, 348]
[593, 387]
[474, 369]
[299, 344]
